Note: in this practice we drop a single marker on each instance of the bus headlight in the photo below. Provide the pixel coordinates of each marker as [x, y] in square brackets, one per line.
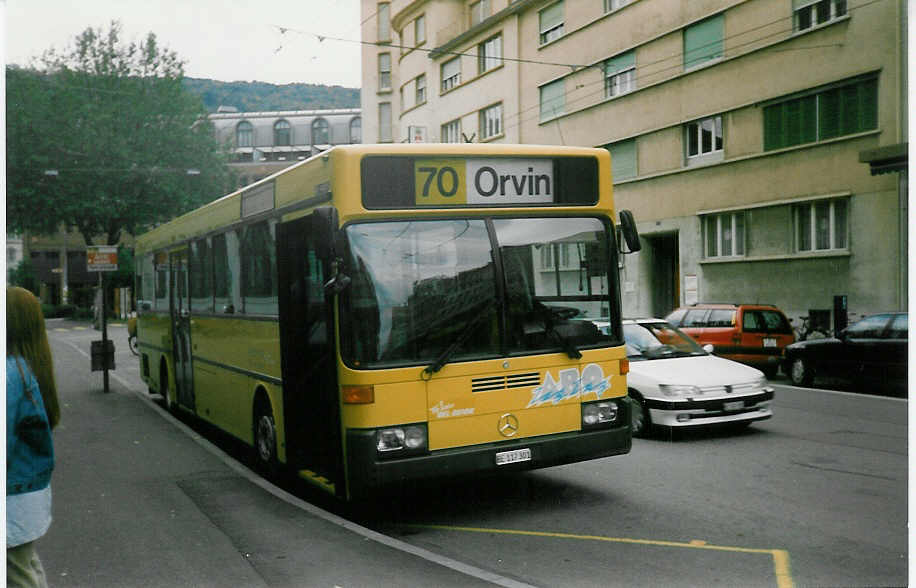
[599, 413]
[399, 440]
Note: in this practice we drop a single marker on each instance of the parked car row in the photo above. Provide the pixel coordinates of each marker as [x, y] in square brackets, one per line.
[694, 376]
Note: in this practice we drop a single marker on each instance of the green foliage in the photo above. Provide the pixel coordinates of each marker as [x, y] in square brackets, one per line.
[261, 96]
[116, 124]
[23, 275]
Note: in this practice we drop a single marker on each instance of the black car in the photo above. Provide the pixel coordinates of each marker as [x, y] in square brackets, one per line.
[871, 352]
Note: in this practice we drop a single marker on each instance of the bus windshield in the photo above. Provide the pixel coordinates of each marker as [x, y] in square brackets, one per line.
[474, 289]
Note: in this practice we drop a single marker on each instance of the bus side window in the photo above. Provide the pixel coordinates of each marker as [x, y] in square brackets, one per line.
[200, 276]
[162, 281]
[259, 268]
[226, 264]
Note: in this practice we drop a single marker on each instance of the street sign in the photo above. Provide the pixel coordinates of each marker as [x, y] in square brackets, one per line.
[102, 258]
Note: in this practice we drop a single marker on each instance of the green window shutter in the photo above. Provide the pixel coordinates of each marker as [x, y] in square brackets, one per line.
[553, 99]
[623, 159]
[619, 63]
[808, 122]
[774, 136]
[868, 92]
[703, 41]
[551, 16]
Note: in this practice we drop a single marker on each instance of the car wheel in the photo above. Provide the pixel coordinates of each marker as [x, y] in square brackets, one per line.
[800, 372]
[640, 422]
[265, 437]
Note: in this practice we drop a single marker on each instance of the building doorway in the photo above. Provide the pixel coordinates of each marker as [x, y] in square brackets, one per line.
[664, 277]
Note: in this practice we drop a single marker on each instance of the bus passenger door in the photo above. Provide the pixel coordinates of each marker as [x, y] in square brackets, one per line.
[309, 360]
[181, 329]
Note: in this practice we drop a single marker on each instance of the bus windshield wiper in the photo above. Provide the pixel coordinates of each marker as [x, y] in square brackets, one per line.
[443, 358]
[565, 342]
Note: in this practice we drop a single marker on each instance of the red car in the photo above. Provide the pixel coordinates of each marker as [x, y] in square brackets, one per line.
[755, 334]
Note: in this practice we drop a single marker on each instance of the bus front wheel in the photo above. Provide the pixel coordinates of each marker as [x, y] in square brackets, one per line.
[265, 436]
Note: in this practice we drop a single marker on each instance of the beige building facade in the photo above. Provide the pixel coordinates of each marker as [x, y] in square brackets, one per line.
[761, 144]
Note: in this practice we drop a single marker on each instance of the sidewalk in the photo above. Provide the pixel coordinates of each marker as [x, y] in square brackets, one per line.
[140, 500]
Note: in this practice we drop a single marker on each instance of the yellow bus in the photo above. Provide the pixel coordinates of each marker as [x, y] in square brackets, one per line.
[381, 314]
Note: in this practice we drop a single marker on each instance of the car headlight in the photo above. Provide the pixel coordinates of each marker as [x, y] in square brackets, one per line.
[401, 440]
[760, 382]
[679, 390]
[596, 414]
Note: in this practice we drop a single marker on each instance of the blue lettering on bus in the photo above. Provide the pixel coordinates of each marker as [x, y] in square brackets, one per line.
[571, 385]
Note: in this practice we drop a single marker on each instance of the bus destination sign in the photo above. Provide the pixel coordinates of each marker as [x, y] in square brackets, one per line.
[479, 181]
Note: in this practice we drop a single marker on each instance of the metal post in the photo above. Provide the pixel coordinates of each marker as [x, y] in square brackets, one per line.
[104, 333]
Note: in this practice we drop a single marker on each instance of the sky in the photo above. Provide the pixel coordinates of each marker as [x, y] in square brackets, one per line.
[226, 40]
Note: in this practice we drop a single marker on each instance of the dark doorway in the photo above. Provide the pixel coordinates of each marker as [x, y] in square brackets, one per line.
[665, 278]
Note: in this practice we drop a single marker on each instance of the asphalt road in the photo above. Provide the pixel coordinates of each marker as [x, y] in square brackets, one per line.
[816, 496]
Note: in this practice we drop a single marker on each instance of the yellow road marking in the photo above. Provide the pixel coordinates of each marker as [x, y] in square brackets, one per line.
[780, 556]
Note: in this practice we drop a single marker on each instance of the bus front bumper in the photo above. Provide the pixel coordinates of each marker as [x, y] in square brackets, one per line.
[366, 471]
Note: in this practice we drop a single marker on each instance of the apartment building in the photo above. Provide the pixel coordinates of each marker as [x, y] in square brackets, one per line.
[263, 143]
[761, 144]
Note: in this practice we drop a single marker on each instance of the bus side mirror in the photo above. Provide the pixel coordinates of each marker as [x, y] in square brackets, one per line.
[630, 234]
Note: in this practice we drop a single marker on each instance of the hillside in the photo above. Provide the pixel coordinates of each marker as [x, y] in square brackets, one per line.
[261, 96]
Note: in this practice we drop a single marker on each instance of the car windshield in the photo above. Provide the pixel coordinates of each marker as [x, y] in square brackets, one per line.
[524, 285]
[658, 340]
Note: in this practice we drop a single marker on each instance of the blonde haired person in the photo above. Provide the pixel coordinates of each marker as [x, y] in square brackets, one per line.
[32, 410]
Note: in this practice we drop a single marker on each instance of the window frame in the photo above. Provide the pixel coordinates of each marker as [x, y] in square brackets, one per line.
[625, 72]
[806, 232]
[706, 53]
[384, 72]
[320, 126]
[808, 11]
[484, 57]
[485, 121]
[733, 236]
[383, 21]
[543, 104]
[244, 129]
[612, 5]
[479, 11]
[551, 31]
[385, 123]
[420, 90]
[717, 140]
[452, 81]
[450, 130]
[356, 123]
[419, 30]
[283, 133]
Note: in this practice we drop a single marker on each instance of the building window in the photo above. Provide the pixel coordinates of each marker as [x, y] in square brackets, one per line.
[421, 89]
[610, 5]
[320, 132]
[356, 130]
[384, 71]
[451, 132]
[820, 225]
[282, 132]
[724, 234]
[811, 13]
[479, 11]
[553, 99]
[620, 74]
[833, 112]
[489, 54]
[384, 122]
[550, 23]
[704, 140]
[623, 159]
[244, 134]
[419, 30]
[703, 42]
[384, 21]
[451, 74]
[491, 121]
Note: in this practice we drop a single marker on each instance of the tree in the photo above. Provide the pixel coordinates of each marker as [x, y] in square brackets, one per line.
[103, 138]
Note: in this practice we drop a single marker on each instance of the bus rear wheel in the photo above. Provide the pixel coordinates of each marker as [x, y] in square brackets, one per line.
[265, 437]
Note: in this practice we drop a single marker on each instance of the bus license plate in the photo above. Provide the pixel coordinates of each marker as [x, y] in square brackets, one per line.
[733, 406]
[769, 342]
[514, 456]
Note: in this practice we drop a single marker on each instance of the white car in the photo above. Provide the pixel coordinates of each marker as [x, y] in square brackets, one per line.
[673, 382]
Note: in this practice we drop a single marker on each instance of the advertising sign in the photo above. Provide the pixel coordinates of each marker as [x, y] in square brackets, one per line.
[102, 258]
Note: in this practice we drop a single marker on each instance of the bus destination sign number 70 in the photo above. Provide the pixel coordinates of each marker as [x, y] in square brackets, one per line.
[463, 182]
